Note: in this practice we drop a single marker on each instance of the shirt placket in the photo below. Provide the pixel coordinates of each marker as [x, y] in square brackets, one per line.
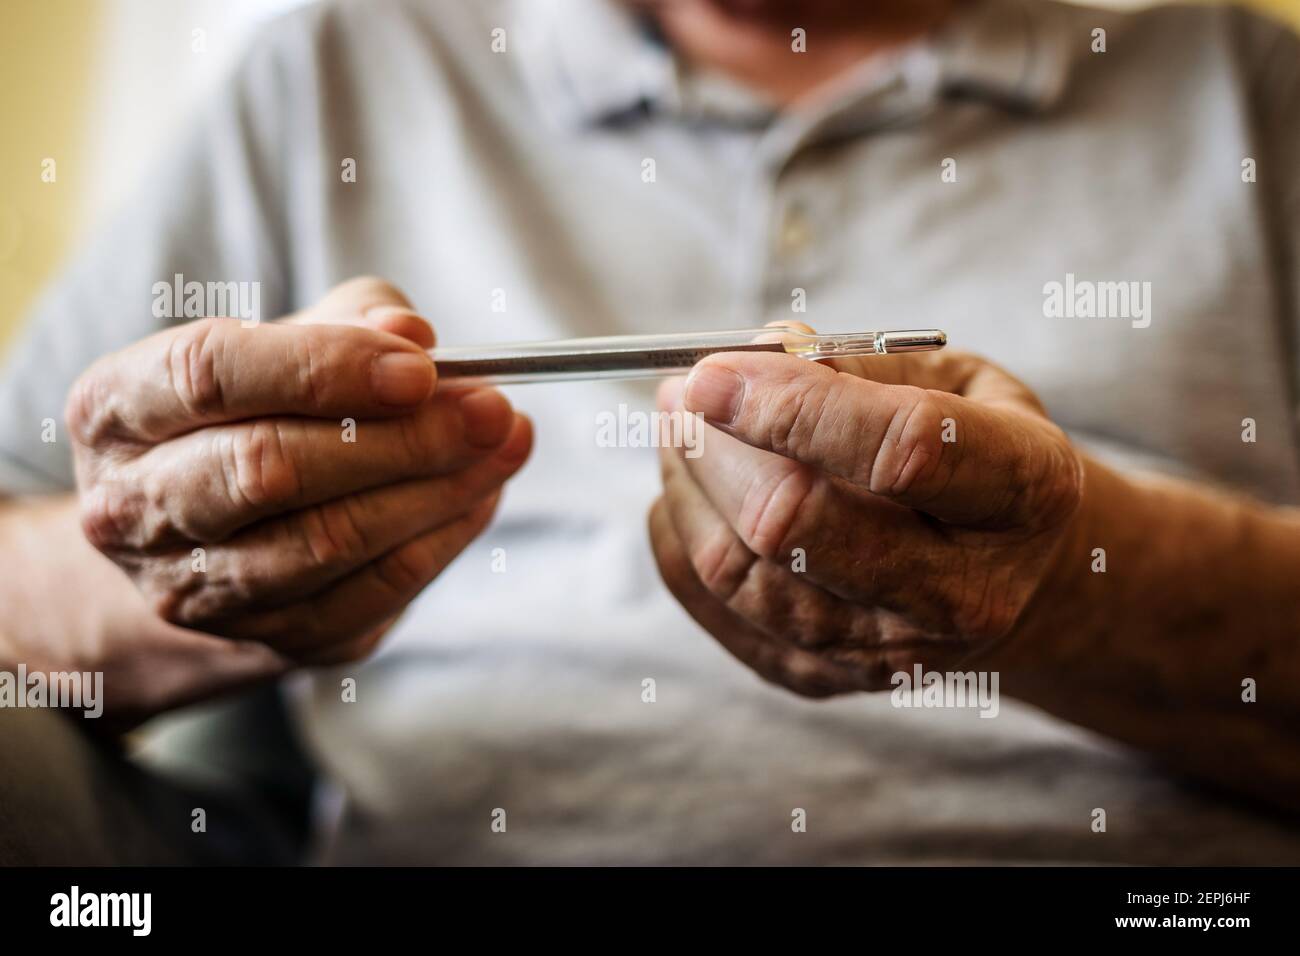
[791, 209]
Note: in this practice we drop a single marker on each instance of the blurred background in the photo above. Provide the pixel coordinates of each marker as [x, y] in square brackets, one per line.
[98, 86]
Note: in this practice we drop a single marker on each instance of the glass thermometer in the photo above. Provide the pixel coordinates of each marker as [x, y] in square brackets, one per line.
[648, 356]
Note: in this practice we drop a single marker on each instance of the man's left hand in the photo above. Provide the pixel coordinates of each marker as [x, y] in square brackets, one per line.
[845, 523]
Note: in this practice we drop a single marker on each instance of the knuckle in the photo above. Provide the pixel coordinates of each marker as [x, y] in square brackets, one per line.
[334, 534]
[722, 562]
[794, 670]
[900, 646]
[117, 517]
[414, 439]
[154, 525]
[258, 468]
[814, 624]
[194, 367]
[108, 519]
[171, 604]
[407, 569]
[796, 411]
[226, 589]
[914, 443]
[170, 592]
[771, 506]
[309, 365]
[89, 411]
[800, 674]
[808, 633]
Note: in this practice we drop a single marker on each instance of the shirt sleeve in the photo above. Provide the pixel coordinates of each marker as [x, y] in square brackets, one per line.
[209, 211]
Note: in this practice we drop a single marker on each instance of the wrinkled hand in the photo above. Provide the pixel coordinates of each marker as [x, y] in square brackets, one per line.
[865, 517]
[213, 467]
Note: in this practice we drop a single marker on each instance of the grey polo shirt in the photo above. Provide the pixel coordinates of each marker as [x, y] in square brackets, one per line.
[1118, 228]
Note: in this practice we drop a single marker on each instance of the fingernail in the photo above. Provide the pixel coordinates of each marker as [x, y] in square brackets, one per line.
[402, 378]
[487, 416]
[715, 393]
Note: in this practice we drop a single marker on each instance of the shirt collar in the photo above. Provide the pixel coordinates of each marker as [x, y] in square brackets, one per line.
[1016, 52]
[593, 61]
[590, 60]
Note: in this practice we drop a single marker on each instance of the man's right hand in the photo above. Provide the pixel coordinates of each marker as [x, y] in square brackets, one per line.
[213, 466]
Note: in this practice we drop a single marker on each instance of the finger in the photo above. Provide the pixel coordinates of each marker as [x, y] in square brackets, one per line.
[794, 668]
[866, 549]
[343, 622]
[950, 370]
[205, 486]
[956, 459]
[213, 371]
[351, 300]
[770, 596]
[859, 548]
[395, 320]
[291, 558]
[371, 303]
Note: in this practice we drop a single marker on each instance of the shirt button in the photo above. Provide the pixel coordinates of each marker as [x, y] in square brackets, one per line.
[795, 232]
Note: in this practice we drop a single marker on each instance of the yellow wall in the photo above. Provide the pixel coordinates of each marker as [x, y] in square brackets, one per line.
[47, 64]
[47, 60]
[1286, 9]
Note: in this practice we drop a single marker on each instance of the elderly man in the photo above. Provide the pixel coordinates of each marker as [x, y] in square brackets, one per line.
[1102, 521]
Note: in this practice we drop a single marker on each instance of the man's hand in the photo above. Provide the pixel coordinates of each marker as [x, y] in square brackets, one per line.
[854, 526]
[217, 466]
[846, 523]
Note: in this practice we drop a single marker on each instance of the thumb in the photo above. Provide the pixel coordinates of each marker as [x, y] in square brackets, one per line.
[958, 460]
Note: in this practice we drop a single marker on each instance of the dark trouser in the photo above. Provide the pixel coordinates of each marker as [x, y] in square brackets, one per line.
[68, 798]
